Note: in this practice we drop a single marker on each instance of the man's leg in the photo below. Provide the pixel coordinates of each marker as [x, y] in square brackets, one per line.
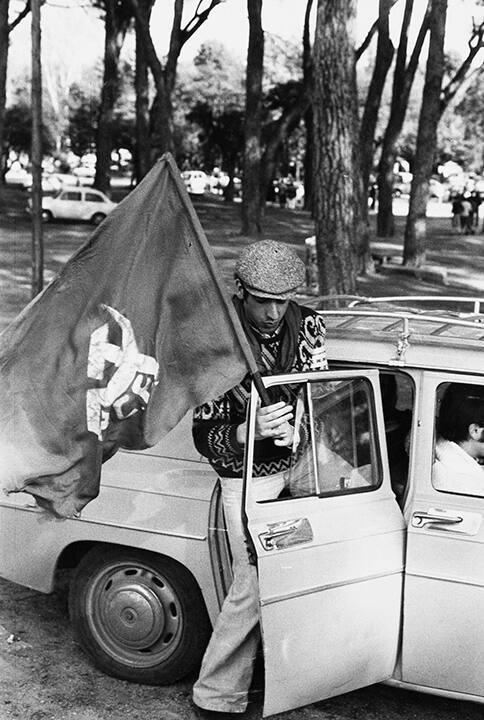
[228, 663]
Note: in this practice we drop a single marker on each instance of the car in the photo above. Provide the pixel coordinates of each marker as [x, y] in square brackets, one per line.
[367, 571]
[196, 181]
[76, 203]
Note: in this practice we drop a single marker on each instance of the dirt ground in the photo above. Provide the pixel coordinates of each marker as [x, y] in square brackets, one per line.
[44, 675]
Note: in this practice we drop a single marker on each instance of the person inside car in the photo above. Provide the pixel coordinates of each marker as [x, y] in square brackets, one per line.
[284, 337]
[459, 452]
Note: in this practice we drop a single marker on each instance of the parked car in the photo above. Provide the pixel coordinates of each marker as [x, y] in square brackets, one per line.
[367, 571]
[76, 203]
[196, 181]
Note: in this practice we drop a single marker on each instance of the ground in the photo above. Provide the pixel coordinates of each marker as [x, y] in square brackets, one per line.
[44, 675]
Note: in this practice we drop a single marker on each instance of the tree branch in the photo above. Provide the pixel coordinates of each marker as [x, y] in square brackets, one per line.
[371, 33]
[21, 16]
[476, 42]
[198, 19]
[151, 56]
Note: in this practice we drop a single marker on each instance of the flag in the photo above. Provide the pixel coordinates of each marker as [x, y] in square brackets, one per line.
[134, 331]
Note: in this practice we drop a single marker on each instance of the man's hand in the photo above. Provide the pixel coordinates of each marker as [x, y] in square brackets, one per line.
[272, 421]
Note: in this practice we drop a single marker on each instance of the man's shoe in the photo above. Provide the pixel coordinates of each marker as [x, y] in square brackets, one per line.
[203, 714]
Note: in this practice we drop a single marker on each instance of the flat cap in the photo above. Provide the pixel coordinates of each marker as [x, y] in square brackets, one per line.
[270, 269]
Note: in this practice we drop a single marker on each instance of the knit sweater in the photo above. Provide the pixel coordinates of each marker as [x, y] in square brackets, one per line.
[215, 423]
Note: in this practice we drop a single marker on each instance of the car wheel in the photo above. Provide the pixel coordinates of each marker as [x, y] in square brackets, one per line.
[98, 218]
[138, 615]
[46, 216]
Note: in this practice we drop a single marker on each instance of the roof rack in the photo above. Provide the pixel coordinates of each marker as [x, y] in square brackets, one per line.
[354, 301]
[403, 326]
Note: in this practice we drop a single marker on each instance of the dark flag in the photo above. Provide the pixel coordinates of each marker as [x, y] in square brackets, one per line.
[134, 331]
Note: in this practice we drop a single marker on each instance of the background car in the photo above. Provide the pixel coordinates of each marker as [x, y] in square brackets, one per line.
[196, 181]
[76, 203]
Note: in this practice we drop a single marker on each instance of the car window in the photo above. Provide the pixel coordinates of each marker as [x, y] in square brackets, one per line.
[93, 197]
[71, 195]
[335, 451]
[458, 452]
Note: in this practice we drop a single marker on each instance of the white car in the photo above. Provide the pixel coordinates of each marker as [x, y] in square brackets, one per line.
[368, 572]
[77, 203]
[196, 181]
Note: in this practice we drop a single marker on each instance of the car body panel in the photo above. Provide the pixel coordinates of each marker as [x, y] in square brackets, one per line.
[347, 573]
[444, 577]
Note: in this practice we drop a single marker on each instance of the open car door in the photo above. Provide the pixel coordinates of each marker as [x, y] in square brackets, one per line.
[330, 549]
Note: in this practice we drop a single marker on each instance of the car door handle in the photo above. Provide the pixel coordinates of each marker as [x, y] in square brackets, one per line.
[286, 533]
[421, 519]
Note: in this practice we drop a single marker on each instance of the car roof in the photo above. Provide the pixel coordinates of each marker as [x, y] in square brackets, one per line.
[447, 334]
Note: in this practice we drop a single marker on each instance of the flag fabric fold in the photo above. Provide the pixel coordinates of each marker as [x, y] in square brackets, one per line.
[134, 331]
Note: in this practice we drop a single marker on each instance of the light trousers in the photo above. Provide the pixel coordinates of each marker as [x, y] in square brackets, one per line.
[228, 663]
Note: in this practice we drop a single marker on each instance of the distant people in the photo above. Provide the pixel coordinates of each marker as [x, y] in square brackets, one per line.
[466, 216]
[456, 211]
[475, 200]
[282, 193]
[459, 452]
[291, 193]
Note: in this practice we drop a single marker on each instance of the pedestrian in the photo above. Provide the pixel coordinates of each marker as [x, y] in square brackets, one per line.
[475, 200]
[466, 216]
[285, 337]
[282, 193]
[456, 211]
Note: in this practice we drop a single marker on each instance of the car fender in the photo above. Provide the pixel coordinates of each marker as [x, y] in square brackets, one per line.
[150, 519]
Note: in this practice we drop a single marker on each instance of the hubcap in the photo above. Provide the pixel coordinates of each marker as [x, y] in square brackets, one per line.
[135, 614]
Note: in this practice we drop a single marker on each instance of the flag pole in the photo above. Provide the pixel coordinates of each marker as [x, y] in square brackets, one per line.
[239, 331]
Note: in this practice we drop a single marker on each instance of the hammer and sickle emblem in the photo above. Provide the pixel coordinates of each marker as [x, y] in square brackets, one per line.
[129, 387]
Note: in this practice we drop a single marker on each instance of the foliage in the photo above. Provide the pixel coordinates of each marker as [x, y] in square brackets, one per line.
[18, 123]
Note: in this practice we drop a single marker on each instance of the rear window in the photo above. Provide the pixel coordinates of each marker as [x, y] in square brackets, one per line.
[94, 197]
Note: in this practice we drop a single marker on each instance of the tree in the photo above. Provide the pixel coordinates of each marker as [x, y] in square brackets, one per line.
[164, 75]
[436, 99]
[337, 188]
[5, 29]
[251, 182]
[403, 78]
[142, 146]
[383, 60]
[118, 16]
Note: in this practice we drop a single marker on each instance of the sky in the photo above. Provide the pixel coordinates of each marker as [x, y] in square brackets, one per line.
[75, 35]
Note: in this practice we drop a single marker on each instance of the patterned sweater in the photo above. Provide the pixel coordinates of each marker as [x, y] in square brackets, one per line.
[215, 423]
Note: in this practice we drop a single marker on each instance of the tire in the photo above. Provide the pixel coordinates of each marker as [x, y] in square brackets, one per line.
[139, 616]
[97, 218]
[46, 216]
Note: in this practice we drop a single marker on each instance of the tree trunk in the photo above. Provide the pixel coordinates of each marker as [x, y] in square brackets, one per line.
[142, 152]
[336, 186]
[3, 85]
[36, 154]
[430, 112]
[252, 181]
[383, 60]
[116, 21]
[402, 84]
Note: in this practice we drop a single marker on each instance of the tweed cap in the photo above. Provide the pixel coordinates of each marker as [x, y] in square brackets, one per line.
[270, 269]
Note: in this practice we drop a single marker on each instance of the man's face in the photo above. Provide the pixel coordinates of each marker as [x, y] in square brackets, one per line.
[476, 443]
[265, 314]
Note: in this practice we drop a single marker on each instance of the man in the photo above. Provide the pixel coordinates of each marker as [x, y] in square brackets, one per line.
[459, 453]
[284, 337]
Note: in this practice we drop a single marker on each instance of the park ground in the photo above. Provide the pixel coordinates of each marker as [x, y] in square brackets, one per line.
[454, 262]
[43, 673]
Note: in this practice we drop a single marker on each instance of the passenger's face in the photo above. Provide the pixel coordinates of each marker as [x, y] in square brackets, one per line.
[476, 444]
[265, 314]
